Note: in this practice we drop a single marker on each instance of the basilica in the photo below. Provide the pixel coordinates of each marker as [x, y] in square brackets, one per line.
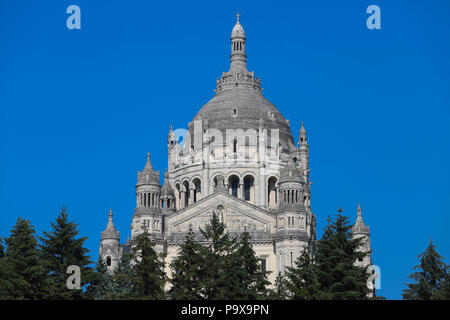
[237, 159]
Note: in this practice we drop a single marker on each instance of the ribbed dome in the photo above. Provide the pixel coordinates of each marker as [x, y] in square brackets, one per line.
[242, 108]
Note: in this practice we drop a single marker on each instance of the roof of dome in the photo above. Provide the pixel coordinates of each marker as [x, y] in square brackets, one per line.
[243, 108]
[238, 31]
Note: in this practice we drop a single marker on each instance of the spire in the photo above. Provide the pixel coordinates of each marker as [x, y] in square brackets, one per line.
[302, 129]
[302, 135]
[148, 165]
[360, 227]
[110, 217]
[148, 175]
[238, 56]
[110, 231]
[171, 137]
[166, 189]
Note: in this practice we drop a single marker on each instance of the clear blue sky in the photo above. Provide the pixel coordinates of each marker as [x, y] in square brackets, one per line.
[80, 109]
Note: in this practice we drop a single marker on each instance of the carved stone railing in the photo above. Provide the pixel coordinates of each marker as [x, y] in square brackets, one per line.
[232, 80]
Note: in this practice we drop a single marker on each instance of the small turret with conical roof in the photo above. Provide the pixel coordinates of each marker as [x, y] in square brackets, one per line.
[291, 186]
[110, 250]
[167, 196]
[148, 176]
[361, 230]
[147, 190]
[110, 231]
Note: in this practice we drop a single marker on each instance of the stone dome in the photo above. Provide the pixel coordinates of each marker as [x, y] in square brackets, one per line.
[244, 108]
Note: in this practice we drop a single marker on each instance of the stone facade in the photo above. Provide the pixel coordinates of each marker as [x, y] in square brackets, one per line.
[238, 159]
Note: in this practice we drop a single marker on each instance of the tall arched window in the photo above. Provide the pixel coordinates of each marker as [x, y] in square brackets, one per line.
[234, 187]
[197, 190]
[186, 194]
[248, 184]
[108, 261]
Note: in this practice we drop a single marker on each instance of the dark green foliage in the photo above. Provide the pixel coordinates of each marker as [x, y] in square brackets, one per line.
[61, 248]
[280, 292]
[122, 278]
[427, 279]
[302, 280]
[443, 290]
[187, 270]
[2, 249]
[148, 275]
[339, 278]
[253, 284]
[102, 283]
[22, 275]
[216, 275]
[231, 269]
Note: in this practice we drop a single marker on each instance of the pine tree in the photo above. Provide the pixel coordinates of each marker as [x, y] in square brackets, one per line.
[254, 283]
[122, 278]
[148, 271]
[443, 291]
[430, 272]
[218, 279]
[60, 249]
[280, 292]
[186, 269]
[339, 278]
[2, 249]
[22, 273]
[302, 281]
[102, 283]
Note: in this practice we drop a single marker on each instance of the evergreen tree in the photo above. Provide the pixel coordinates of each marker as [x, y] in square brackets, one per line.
[280, 292]
[187, 269]
[443, 291]
[122, 278]
[148, 271]
[430, 272]
[219, 280]
[21, 271]
[2, 249]
[339, 278]
[102, 282]
[302, 281]
[60, 249]
[254, 283]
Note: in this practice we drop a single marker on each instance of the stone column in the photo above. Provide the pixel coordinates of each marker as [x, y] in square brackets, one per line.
[191, 196]
[183, 199]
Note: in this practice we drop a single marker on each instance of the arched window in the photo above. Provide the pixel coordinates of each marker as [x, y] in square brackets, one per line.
[186, 194]
[248, 184]
[108, 261]
[271, 193]
[234, 145]
[234, 187]
[197, 190]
